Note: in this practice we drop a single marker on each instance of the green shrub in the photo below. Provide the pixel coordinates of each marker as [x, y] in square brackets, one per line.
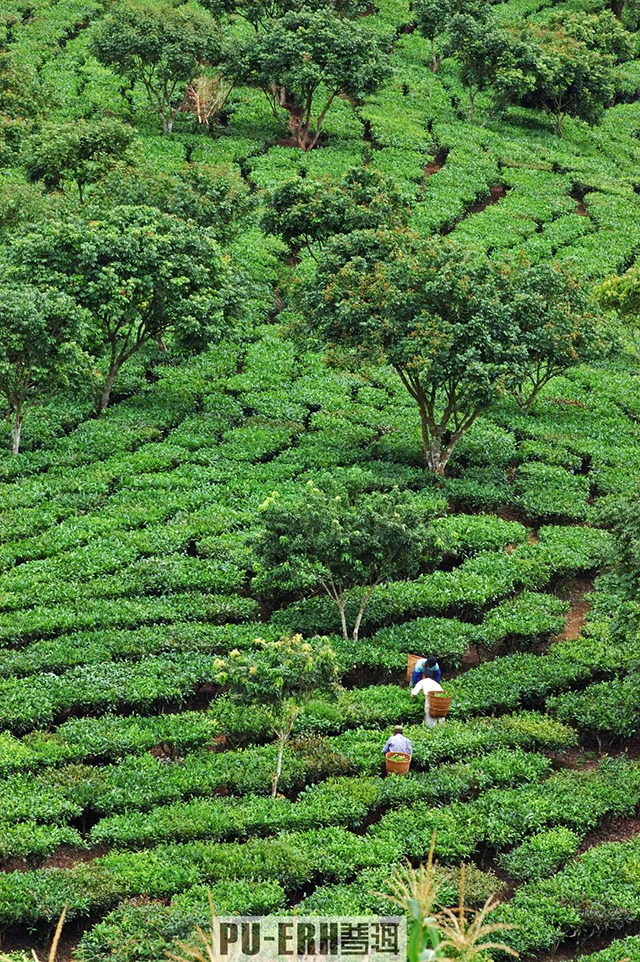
[541, 855]
[550, 492]
[144, 932]
[618, 950]
[591, 895]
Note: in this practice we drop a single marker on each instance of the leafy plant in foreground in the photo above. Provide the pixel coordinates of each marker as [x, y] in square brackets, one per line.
[442, 933]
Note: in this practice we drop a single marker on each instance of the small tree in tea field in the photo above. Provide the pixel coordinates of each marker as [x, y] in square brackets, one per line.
[439, 315]
[621, 293]
[308, 212]
[335, 543]
[82, 151]
[282, 675]
[161, 46]
[139, 273]
[41, 336]
[560, 326]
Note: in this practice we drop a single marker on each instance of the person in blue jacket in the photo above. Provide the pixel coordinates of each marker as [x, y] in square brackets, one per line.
[398, 742]
[431, 664]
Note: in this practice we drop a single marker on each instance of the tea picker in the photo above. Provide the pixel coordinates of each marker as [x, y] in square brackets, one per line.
[434, 713]
[417, 667]
[397, 753]
[398, 742]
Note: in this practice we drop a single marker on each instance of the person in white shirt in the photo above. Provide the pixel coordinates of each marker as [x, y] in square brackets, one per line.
[423, 687]
[398, 743]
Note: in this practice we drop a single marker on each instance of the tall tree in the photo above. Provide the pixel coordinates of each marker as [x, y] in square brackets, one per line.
[439, 315]
[283, 675]
[326, 540]
[82, 151]
[560, 326]
[567, 66]
[432, 17]
[140, 273]
[479, 44]
[306, 59]
[41, 336]
[164, 47]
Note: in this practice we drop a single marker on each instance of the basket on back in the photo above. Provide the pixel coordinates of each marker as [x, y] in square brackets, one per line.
[439, 704]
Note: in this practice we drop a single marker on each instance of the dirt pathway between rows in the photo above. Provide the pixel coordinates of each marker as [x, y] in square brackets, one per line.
[580, 607]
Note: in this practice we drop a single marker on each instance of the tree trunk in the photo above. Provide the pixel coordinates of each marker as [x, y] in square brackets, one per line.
[559, 125]
[103, 402]
[16, 431]
[343, 619]
[282, 738]
[295, 118]
[617, 6]
[436, 458]
[167, 123]
[338, 598]
[431, 444]
[470, 114]
[366, 595]
[435, 63]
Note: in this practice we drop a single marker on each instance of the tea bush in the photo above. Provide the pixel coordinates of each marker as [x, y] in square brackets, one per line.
[541, 855]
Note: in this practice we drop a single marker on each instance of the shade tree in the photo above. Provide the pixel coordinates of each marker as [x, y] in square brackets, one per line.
[479, 44]
[305, 60]
[326, 539]
[161, 46]
[432, 17]
[141, 274]
[282, 676]
[566, 66]
[560, 326]
[41, 349]
[307, 212]
[621, 293]
[460, 330]
[439, 315]
[82, 151]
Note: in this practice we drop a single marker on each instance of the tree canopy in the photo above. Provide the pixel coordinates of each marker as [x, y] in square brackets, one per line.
[459, 329]
[161, 46]
[41, 333]
[560, 325]
[306, 59]
[329, 540]
[140, 273]
[82, 151]
[439, 315]
[211, 195]
[307, 212]
[260, 13]
[621, 293]
[567, 66]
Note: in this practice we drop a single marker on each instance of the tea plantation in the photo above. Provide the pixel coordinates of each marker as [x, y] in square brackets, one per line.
[203, 247]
